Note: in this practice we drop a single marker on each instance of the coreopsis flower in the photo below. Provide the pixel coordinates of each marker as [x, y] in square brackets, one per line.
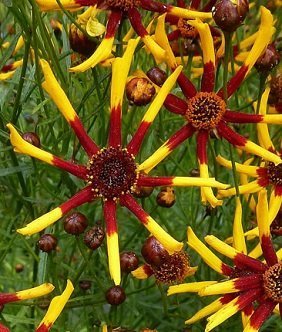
[268, 174]
[206, 110]
[55, 308]
[166, 268]
[8, 70]
[26, 294]
[253, 287]
[120, 9]
[111, 172]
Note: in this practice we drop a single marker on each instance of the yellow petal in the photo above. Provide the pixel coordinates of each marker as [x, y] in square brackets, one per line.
[56, 306]
[34, 292]
[102, 52]
[114, 260]
[42, 222]
[238, 232]
[191, 287]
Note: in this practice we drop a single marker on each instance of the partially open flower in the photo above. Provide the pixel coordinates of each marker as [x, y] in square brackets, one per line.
[140, 91]
[166, 197]
[94, 237]
[229, 15]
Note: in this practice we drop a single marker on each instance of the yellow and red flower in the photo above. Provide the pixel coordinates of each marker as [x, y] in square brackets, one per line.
[251, 281]
[111, 172]
[206, 110]
[120, 9]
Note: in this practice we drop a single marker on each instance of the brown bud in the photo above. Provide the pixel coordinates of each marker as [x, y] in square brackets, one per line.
[94, 237]
[229, 16]
[268, 60]
[166, 197]
[47, 242]
[154, 252]
[276, 226]
[32, 138]
[141, 192]
[115, 295]
[19, 267]
[75, 223]
[275, 95]
[80, 43]
[195, 172]
[128, 261]
[157, 76]
[85, 284]
[140, 91]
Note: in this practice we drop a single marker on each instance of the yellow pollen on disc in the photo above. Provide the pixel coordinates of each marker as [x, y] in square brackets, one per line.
[272, 282]
[205, 110]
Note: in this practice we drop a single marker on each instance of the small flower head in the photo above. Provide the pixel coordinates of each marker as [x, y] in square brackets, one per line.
[75, 223]
[140, 91]
[115, 295]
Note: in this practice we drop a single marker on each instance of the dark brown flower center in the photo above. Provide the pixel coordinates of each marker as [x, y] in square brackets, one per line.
[274, 173]
[174, 269]
[112, 172]
[205, 110]
[121, 4]
[186, 30]
[272, 282]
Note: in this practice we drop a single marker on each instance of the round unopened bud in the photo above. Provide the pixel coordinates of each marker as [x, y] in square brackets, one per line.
[85, 284]
[94, 237]
[157, 76]
[19, 267]
[32, 138]
[47, 242]
[80, 43]
[140, 91]
[228, 15]
[115, 295]
[195, 172]
[154, 252]
[128, 261]
[268, 60]
[75, 223]
[166, 197]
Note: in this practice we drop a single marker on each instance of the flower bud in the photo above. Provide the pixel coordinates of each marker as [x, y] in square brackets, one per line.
[32, 138]
[268, 60]
[140, 91]
[75, 223]
[275, 95]
[166, 197]
[141, 192]
[47, 243]
[19, 267]
[228, 15]
[115, 295]
[157, 76]
[154, 252]
[195, 172]
[128, 261]
[80, 43]
[85, 284]
[94, 237]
